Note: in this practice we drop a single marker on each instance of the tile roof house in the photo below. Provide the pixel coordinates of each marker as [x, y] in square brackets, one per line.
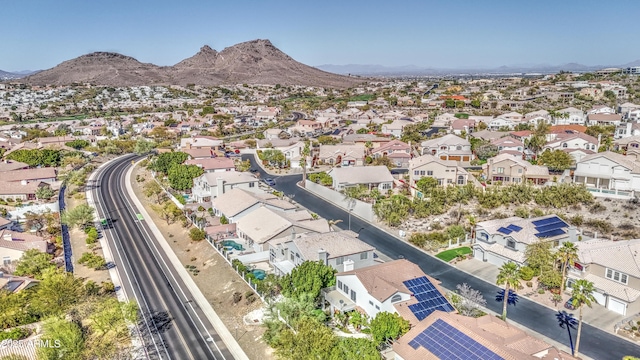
[200, 142]
[14, 284]
[502, 240]
[217, 164]
[609, 171]
[362, 139]
[10, 165]
[448, 147]
[571, 140]
[441, 335]
[395, 287]
[604, 119]
[209, 186]
[13, 244]
[46, 175]
[614, 269]
[342, 154]
[371, 176]
[446, 172]
[510, 169]
[236, 203]
[22, 190]
[488, 134]
[462, 125]
[397, 151]
[396, 127]
[627, 130]
[569, 116]
[508, 143]
[341, 250]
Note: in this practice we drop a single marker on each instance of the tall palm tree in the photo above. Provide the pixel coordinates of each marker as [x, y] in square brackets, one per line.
[509, 276]
[567, 254]
[306, 151]
[582, 294]
[333, 223]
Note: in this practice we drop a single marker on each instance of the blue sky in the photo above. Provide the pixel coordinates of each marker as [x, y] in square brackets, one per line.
[38, 34]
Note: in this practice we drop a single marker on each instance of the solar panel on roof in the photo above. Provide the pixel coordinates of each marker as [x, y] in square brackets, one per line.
[505, 230]
[552, 226]
[546, 221]
[515, 228]
[429, 298]
[550, 233]
[446, 342]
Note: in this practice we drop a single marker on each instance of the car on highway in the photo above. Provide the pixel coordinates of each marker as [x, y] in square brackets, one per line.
[269, 181]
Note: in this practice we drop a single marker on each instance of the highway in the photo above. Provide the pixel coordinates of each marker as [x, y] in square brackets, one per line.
[595, 343]
[171, 325]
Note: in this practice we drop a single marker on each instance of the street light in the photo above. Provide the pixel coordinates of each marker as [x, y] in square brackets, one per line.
[350, 205]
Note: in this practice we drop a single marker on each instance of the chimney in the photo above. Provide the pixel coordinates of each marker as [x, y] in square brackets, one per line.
[293, 233]
[323, 256]
[7, 237]
[220, 185]
[599, 140]
[1, 274]
[573, 234]
[348, 265]
[23, 182]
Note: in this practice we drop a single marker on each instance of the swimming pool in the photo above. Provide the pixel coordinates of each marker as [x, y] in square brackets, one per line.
[259, 274]
[230, 244]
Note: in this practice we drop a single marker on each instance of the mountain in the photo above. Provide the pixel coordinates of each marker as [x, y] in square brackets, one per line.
[5, 75]
[252, 62]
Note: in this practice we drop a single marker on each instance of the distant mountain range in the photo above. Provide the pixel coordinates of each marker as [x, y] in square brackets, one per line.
[413, 70]
[252, 62]
[5, 75]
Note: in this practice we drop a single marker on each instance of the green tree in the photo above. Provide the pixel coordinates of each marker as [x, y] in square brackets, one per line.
[57, 292]
[304, 154]
[582, 294]
[508, 276]
[387, 326]
[328, 140]
[196, 234]
[556, 160]
[312, 340]
[34, 263]
[93, 261]
[168, 211]
[165, 161]
[392, 210]
[539, 256]
[152, 188]
[144, 146]
[80, 216]
[535, 143]
[243, 166]
[355, 349]
[67, 334]
[44, 193]
[426, 185]
[308, 278]
[567, 254]
[224, 220]
[181, 176]
[78, 144]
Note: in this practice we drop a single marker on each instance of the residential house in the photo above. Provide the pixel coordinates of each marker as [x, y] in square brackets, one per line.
[397, 151]
[441, 335]
[501, 123]
[15, 284]
[630, 146]
[398, 286]
[627, 130]
[342, 154]
[201, 142]
[209, 186]
[263, 225]
[373, 177]
[459, 126]
[601, 109]
[363, 139]
[448, 147]
[614, 269]
[446, 172]
[535, 117]
[513, 116]
[571, 140]
[46, 175]
[396, 127]
[309, 126]
[604, 119]
[236, 203]
[488, 135]
[608, 170]
[626, 108]
[509, 144]
[341, 250]
[271, 134]
[14, 244]
[510, 169]
[22, 190]
[569, 116]
[10, 165]
[216, 164]
[503, 240]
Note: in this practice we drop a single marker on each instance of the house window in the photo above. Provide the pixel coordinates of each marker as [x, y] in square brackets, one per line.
[617, 276]
[564, 145]
[339, 284]
[430, 173]
[251, 184]
[377, 307]
[511, 244]
[422, 172]
[364, 256]
[353, 295]
[6, 260]
[449, 181]
[345, 288]
[460, 180]
[339, 260]
[396, 298]
[370, 302]
[386, 186]
[519, 171]
[500, 170]
[458, 147]
[416, 172]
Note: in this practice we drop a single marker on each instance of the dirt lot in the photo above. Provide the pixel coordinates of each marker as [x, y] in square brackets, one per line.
[216, 279]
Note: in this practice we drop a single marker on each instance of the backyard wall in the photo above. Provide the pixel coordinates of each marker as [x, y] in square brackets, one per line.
[361, 208]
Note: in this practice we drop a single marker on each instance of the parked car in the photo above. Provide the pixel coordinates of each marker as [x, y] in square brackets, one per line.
[569, 304]
[269, 181]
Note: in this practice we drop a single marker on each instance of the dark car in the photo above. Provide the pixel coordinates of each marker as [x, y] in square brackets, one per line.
[569, 304]
[269, 181]
[253, 170]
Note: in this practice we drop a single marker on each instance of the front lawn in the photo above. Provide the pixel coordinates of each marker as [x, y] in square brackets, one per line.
[451, 254]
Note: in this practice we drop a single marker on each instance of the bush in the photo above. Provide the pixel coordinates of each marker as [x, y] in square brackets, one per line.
[196, 234]
[93, 261]
[522, 212]
[526, 273]
[529, 284]
[14, 334]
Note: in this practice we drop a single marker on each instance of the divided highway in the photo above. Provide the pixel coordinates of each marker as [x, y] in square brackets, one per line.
[595, 343]
[172, 326]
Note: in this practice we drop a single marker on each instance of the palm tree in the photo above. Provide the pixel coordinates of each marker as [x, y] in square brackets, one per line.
[509, 275]
[567, 254]
[306, 151]
[582, 294]
[472, 223]
[333, 223]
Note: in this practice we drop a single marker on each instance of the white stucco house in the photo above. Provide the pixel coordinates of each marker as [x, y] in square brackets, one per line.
[609, 171]
[370, 176]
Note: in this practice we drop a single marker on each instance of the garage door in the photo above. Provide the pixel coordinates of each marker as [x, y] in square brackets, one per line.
[600, 298]
[617, 306]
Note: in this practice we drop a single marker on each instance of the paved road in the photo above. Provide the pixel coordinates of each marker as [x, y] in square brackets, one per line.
[172, 326]
[595, 343]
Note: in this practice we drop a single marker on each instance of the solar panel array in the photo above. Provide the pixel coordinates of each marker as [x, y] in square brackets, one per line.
[429, 298]
[505, 231]
[447, 342]
[515, 228]
[550, 227]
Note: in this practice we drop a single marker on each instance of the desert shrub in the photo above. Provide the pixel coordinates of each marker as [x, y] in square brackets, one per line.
[526, 273]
